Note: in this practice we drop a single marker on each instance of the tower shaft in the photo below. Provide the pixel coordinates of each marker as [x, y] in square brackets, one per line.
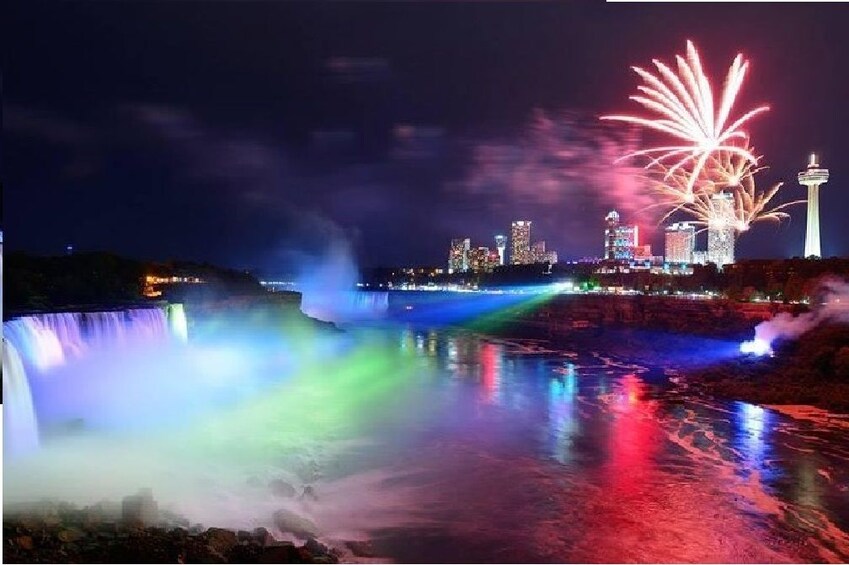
[812, 235]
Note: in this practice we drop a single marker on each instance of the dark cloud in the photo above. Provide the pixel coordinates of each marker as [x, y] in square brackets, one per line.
[78, 141]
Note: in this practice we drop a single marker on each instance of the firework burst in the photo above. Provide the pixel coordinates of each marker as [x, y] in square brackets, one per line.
[684, 107]
[710, 174]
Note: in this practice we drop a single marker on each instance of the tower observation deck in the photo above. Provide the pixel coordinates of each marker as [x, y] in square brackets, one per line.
[812, 177]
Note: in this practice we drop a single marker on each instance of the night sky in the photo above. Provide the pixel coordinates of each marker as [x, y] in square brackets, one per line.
[258, 134]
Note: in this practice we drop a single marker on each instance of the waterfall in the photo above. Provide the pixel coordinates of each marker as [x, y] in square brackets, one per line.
[35, 341]
[376, 303]
[177, 321]
[19, 423]
[48, 340]
[38, 345]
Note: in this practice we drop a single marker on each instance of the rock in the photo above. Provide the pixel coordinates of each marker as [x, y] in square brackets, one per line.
[24, 542]
[280, 487]
[243, 535]
[221, 540]
[262, 536]
[70, 535]
[245, 553]
[320, 551]
[283, 553]
[301, 527]
[139, 509]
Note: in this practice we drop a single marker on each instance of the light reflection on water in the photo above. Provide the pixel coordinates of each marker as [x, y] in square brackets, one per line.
[700, 481]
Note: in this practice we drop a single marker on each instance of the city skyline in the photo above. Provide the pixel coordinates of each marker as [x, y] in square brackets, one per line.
[261, 158]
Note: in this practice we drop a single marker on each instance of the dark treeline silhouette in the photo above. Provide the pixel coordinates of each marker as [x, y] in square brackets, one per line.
[34, 282]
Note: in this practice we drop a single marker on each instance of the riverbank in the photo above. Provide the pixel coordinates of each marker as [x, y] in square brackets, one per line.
[55, 532]
[813, 370]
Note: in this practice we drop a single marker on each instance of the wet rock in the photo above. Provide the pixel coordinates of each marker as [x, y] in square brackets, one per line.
[245, 553]
[262, 536]
[280, 487]
[283, 553]
[319, 550]
[301, 527]
[70, 535]
[140, 509]
[220, 540]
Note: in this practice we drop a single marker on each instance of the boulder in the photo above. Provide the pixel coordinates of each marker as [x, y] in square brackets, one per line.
[262, 536]
[220, 540]
[70, 535]
[24, 542]
[288, 521]
[281, 553]
[140, 509]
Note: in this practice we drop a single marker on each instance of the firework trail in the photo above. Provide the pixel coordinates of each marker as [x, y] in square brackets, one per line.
[684, 108]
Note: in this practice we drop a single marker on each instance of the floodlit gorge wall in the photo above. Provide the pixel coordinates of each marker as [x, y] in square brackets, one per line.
[716, 317]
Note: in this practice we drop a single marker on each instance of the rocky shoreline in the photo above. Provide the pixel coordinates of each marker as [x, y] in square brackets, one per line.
[57, 532]
[813, 370]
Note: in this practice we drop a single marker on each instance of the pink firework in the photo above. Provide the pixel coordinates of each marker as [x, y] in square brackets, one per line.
[684, 108]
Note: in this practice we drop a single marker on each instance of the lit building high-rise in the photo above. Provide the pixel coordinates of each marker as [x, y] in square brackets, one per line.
[501, 246]
[680, 243]
[520, 236]
[479, 259]
[721, 230]
[619, 240]
[813, 177]
[550, 257]
[538, 252]
[458, 255]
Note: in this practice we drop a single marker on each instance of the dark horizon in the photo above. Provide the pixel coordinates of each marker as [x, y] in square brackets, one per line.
[258, 135]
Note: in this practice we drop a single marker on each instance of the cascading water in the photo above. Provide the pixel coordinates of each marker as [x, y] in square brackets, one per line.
[19, 423]
[38, 345]
[177, 321]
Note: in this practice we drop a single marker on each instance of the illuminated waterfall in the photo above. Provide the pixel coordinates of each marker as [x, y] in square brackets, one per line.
[19, 423]
[177, 321]
[38, 345]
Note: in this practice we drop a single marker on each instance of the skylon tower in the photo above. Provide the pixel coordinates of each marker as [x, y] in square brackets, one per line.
[813, 177]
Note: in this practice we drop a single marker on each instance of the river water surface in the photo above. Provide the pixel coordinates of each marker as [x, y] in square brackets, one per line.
[448, 445]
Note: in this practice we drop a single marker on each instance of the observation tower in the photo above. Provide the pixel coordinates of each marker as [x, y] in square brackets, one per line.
[813, 177]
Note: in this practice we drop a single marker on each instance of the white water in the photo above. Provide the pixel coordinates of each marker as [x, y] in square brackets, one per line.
[40, 344]
[19, 423]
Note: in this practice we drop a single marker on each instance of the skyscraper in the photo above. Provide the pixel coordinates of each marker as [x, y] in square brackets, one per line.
[721, 230]
[479, 260]
[458, 255]
[813, 177]
[538, 252]
[501, 246]
[619, 240]
[680, 242]
[520, 235]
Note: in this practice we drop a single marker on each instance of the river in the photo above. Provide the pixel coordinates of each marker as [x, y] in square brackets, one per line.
[447, 445]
